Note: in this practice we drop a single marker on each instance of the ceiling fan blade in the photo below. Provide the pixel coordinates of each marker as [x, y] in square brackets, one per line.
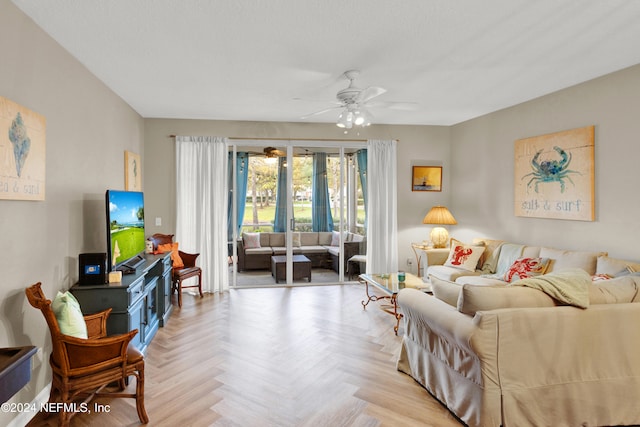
[326, 110]
[370, 93]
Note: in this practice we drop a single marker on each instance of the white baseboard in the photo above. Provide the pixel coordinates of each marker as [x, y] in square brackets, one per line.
[24, 417]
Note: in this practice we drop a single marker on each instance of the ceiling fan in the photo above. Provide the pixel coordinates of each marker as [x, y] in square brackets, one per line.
[352, 100]
[269, 153]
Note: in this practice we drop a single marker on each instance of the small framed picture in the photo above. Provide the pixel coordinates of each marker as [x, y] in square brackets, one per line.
[426, 178]
[132, 172]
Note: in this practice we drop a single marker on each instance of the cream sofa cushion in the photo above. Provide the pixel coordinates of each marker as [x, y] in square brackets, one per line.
[614, 266]
[532, 252]
[489, 258]
[483, 298]
[620, 290]
[562, 259]
[445, 290]
[444, 272]
[480, 281]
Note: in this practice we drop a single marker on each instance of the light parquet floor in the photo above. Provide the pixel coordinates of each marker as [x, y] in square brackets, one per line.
[286, 356]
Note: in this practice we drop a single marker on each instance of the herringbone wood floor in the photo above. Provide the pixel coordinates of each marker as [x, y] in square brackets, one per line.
[302, 356]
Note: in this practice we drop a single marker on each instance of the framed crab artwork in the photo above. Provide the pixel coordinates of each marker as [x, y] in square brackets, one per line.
[554, 175]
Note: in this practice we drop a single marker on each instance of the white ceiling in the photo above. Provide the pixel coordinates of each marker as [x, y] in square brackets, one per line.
[279, 60]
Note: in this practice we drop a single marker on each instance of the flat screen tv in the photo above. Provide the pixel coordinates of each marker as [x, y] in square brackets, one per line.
[125, 229]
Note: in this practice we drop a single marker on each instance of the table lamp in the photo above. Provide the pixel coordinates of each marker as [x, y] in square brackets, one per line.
[439, 215]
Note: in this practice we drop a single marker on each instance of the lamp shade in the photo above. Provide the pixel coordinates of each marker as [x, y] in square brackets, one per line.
[439, 215]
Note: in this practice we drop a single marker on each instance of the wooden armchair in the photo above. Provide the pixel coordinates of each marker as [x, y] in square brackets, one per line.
[83, 368]
[190, 269]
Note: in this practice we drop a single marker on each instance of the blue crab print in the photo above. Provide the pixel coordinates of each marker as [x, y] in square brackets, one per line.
[550, 170]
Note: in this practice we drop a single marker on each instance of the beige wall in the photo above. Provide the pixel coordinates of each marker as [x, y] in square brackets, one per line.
[483, 175]
[417, 145]
[88, 129]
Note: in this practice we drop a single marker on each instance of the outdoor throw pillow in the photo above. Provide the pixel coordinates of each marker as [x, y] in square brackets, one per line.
[70, 319]
[295, 239]
[526, 267]
[464, 256]
[335, 238]
[251, 240]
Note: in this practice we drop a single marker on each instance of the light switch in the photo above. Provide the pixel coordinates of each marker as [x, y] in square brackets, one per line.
[158, 221]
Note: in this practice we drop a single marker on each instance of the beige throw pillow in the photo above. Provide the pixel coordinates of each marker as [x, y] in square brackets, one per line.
[464, 256]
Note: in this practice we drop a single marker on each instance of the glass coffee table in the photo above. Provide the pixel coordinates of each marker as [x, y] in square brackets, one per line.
[389, 285]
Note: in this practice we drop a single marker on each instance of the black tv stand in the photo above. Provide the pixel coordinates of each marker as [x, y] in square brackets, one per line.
[139, 301]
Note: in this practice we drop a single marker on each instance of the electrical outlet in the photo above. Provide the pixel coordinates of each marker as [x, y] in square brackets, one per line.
[409, 262]
[158, 221]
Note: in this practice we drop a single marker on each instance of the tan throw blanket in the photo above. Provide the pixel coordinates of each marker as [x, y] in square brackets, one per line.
[569, 286]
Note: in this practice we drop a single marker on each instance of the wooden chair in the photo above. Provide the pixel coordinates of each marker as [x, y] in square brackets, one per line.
[179, 274]
[83, 368]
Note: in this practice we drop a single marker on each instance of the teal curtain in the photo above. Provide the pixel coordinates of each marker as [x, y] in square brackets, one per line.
[361, 155]
[242, 167]
[280, 220]
[321, 219]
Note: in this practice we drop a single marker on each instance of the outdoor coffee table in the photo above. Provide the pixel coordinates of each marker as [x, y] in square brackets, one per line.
[301, 267]
[390, 286]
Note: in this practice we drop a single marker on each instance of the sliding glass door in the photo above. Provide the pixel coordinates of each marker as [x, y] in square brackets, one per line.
[293, 211]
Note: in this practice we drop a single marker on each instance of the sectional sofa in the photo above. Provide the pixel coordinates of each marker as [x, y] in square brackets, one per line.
[508, 353]
[322, 248]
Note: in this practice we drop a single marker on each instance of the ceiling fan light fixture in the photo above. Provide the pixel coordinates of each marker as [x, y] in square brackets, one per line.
[362, 117]
[345, 119]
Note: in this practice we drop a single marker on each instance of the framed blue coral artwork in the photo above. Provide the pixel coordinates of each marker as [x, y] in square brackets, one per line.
[22, 152]
[554, 175]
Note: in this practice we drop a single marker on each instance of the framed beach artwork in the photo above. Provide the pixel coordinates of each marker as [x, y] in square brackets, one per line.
[132, 172]
[554, 175]
[426, 178]
[22, 152]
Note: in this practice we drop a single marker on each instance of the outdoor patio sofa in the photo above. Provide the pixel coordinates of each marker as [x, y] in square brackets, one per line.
[322, 248]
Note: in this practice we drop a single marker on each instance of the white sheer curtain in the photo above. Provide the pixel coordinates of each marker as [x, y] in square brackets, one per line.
[382, 223]
[201, 206]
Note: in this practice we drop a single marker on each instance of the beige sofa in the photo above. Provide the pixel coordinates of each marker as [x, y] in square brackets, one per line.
[321, 248]
[507, 355]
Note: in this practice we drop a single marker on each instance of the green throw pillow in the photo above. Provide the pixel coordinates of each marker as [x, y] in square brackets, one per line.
[70, 320]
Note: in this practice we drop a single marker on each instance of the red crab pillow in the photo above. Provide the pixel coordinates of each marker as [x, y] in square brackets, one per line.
[526, 267]
[464, 257]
